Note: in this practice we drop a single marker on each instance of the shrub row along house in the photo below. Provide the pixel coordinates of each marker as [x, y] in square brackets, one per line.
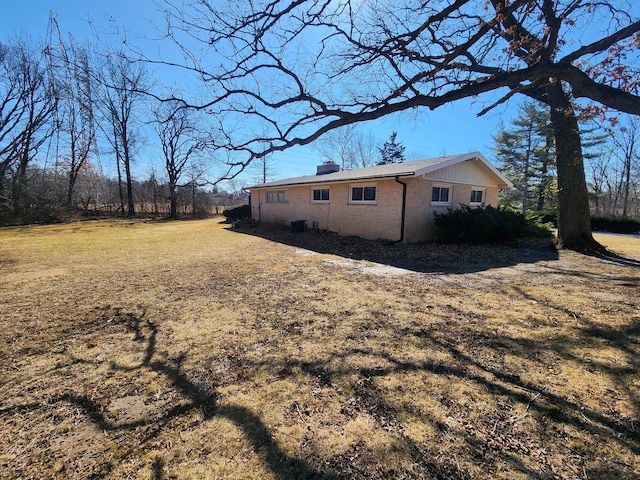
[392, 202]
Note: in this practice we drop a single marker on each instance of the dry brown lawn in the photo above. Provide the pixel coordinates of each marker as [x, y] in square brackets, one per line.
[186, 350]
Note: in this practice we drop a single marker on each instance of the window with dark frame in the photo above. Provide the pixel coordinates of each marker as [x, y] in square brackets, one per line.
[440, 195]
[476, 196]
[363, 194]
[320, 194]
[369, 194]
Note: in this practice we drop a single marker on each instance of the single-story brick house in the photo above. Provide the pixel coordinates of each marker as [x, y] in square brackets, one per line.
[393, 202]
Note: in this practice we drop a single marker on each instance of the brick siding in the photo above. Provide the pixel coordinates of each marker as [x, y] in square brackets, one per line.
[381, 220]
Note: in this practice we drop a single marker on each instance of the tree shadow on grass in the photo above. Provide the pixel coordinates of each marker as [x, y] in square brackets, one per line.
[610, 278]
[200, 397]
[415, 257]
[609, 256]
[369, 397]
[564, 410]
[532, 398]
[623, 340]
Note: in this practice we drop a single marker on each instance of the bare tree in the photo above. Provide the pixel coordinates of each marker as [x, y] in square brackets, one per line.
[263, 169]
[365, 147]
[598, 175]
[198, 200]
[336, 146]
[297, 70]
[153, 193]
[613, 172]
[181, 141]
[75, 122]
[26, 108]
[627, 143]
[123, 92]
[349, 147]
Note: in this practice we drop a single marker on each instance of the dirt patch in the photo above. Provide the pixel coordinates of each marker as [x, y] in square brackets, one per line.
[131, 409]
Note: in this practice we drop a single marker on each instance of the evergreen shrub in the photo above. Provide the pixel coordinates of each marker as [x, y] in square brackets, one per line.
[615, 225]
[487, 225]
[237, 212]
[546, 216]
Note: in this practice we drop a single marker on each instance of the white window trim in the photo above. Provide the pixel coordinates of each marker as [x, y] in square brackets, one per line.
[478, 189]
[286, 196]
[442, 185]
[320, 188]
[362, 202]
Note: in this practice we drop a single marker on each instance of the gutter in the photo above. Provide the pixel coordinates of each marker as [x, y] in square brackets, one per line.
[404, 208]
[319, 180]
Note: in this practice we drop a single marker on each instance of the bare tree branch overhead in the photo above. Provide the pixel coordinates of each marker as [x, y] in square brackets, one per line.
[291, 71]
[323, 64]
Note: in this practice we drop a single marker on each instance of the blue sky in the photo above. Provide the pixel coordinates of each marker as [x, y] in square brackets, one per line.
[450, 129]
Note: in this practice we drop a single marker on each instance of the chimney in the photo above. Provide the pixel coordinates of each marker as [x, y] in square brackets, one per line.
[327, 167]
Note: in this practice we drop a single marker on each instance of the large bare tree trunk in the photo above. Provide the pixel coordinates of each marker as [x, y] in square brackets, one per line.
[173, 200]
[574, 219]
[131, 211]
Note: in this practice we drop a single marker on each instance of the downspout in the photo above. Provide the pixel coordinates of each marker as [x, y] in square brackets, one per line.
[404, 208]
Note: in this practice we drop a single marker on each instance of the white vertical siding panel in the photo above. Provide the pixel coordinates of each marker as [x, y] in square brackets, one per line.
[464, 172]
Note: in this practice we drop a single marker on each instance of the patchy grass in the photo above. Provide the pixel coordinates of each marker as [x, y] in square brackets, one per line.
[623, 244]
[187, 350]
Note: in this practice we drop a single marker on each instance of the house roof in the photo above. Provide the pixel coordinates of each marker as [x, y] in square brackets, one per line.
[406, 169]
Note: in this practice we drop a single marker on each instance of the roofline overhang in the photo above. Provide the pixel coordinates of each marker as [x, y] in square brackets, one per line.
[318, 180]
[337, 180]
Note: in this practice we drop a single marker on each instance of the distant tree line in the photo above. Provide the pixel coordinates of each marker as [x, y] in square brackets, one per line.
[44, 197]
[69, 113]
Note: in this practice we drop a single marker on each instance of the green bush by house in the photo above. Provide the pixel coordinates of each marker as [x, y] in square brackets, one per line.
[487, 225]
[237, 212]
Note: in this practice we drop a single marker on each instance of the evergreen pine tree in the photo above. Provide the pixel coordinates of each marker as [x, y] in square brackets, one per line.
[527, 155]
[391, 151]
